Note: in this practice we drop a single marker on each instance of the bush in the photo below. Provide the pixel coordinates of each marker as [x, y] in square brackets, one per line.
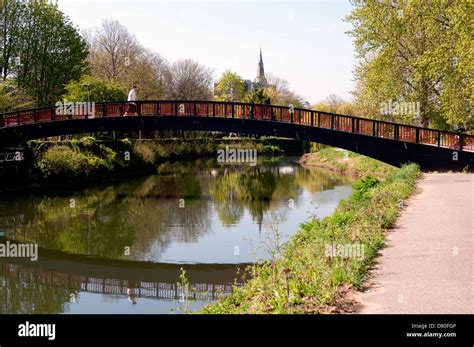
[100, 90]
[144, 152]
[69, 163]
[363, 185]
[82, 158]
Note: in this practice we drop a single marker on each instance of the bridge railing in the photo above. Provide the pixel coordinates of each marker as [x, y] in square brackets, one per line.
[326, 120]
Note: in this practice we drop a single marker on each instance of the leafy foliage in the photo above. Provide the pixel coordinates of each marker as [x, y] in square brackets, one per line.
[362, 186]
[41, 49]
[13, 98]
[87, 157]
[258, 96]
[99, 90]
[416, 51]
[230, 87]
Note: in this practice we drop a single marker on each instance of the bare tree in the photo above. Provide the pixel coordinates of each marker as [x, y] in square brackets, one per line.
[111, 50]
[334, 102]
[116, 55]
[149, 70]
[190, 80]
[280, 93]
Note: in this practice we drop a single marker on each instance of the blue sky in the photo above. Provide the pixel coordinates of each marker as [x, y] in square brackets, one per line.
[303, 42]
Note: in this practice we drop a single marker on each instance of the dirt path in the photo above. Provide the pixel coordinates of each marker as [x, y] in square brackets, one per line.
[428, 265]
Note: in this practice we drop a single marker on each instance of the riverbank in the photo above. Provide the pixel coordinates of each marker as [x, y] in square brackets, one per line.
[89, 160]
[318, 266]
[346, 163]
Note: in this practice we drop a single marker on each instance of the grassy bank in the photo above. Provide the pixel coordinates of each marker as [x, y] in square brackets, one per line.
[304, 275]
[88, 159]
[347, 163]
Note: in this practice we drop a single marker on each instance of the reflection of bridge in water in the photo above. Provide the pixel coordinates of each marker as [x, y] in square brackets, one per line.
[122, 277]
[112, 286]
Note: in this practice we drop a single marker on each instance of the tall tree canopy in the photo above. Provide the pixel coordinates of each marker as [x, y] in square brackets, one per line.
[40, 49]
[190, 80]
[12, 14]
[117, 56]
[111, 49]
[230, 87]
[13, 98]
[416, 51]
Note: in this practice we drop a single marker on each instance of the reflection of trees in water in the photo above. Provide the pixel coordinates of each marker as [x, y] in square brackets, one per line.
[158, 225]
[265, 189]
[20, 295]
[156, 213]
[254, 188]
[170, 186]
[92, 227]
[145, 214]
[316, 181]
[71, 223]
[258, 189]
[104, 222]
[230, 212]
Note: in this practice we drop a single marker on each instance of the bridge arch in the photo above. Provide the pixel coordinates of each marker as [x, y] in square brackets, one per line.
[392, 143]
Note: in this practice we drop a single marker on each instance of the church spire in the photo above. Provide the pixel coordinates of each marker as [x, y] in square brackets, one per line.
[261, 80]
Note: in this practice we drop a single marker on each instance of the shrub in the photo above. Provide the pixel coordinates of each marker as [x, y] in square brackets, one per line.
[144, 152]
[361, 187]
[67, 162]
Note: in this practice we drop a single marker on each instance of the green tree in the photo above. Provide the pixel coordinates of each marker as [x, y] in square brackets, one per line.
[258, 96]
[416, 51]
[50, 51]
[95, 90]
[12, 13]
[23, 292]
[230, 87]
[13, 98]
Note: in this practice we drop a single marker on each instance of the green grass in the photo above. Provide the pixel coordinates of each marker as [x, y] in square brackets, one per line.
[303, 279]
[348, 162]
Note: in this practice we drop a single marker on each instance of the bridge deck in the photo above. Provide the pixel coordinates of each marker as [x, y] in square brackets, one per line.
[325, 120]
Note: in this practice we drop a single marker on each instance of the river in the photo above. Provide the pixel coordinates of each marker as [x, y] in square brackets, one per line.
[121, 247]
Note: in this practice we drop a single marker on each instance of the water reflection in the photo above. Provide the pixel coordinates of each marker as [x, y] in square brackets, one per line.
[55, 283]
[108, 245]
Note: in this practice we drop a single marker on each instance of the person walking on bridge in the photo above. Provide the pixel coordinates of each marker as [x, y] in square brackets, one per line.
[132, 106]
